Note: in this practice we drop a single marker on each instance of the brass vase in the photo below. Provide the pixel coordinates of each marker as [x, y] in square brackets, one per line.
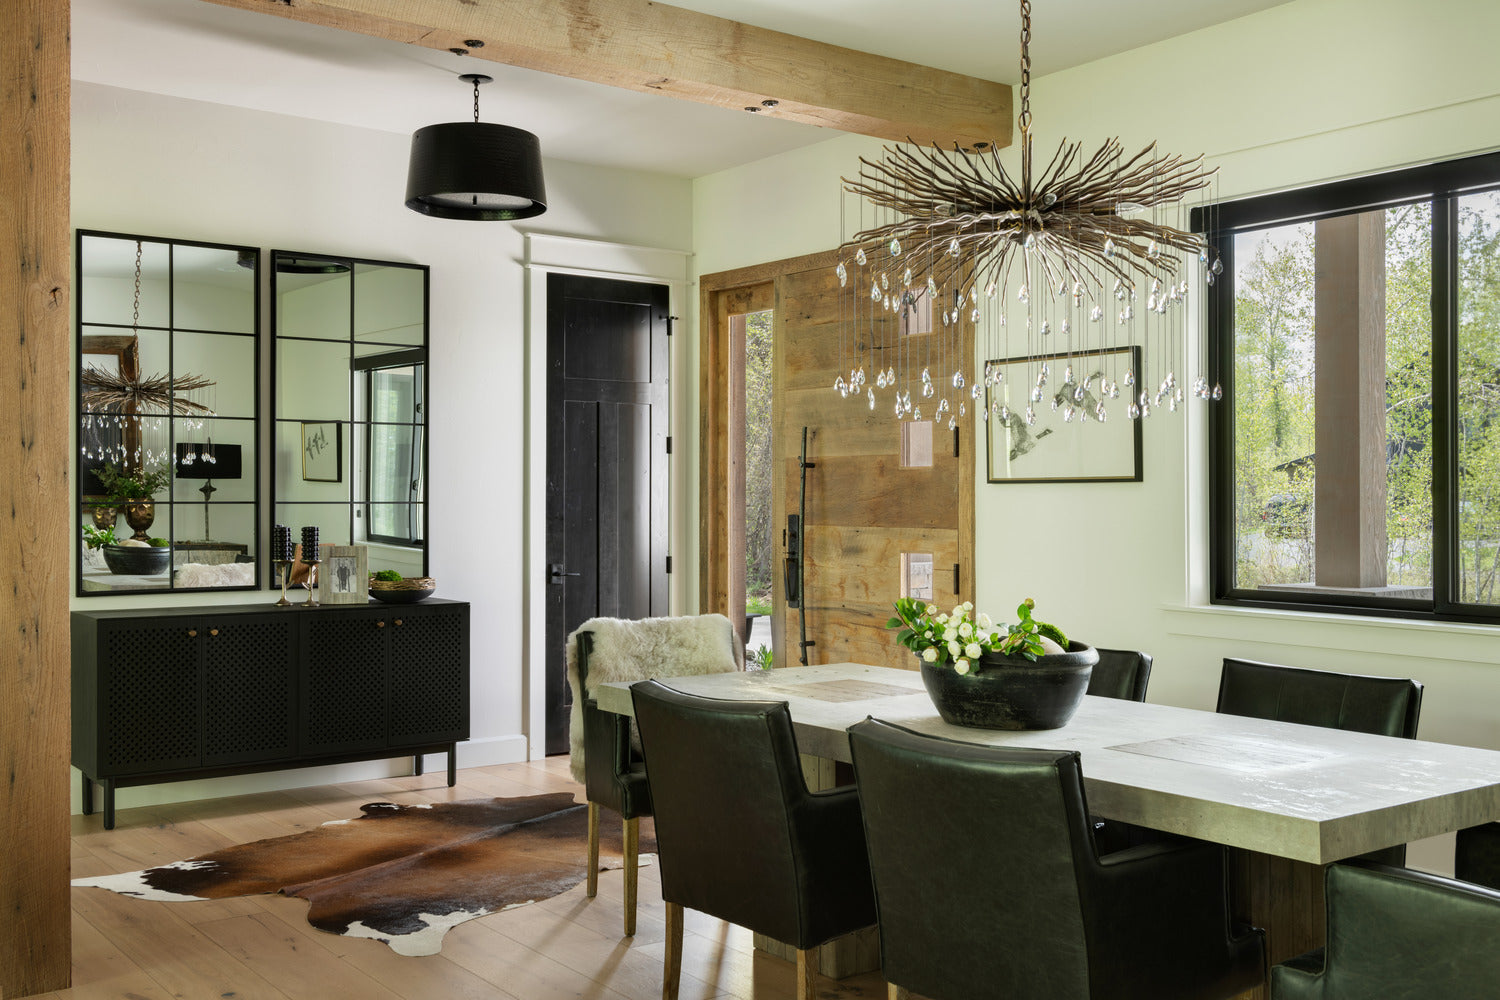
[139, 514]
[104, 516]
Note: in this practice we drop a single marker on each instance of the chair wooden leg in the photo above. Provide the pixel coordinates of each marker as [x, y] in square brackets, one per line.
[593, 849]
[632, 871]
[671, 976]
[894, 992]
[806, 959]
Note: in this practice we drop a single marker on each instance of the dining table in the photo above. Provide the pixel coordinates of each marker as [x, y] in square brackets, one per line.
[1287, 799]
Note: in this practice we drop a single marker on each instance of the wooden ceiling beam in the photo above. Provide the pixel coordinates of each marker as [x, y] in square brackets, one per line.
[653, 48]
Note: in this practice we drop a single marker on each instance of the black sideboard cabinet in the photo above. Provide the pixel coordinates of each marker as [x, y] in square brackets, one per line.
[176, 693]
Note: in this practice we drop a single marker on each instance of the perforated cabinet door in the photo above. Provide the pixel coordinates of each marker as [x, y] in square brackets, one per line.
[248, 687]
[429, 676]
[344, 682]
[150, 708]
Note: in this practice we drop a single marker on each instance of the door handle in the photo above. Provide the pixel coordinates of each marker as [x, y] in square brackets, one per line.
[555, 573]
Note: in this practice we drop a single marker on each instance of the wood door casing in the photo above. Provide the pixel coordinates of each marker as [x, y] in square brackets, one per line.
[863, 509]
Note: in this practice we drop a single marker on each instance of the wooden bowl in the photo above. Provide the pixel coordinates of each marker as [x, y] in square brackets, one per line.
[409, 590]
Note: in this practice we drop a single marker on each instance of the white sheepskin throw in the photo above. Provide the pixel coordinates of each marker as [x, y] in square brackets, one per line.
[219, 575]
[638, 650]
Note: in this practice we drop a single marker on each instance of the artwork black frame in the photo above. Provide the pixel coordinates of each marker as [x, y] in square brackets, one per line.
[1130, 470]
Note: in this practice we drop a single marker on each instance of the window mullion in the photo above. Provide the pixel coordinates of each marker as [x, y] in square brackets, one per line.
[1444, 403]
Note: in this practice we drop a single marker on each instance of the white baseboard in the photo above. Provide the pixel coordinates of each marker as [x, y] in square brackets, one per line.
[473, 753]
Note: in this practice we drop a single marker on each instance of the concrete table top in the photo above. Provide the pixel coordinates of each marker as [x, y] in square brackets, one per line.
[1299, 792]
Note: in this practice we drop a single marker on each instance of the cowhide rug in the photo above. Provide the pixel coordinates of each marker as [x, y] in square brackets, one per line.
[402, 874]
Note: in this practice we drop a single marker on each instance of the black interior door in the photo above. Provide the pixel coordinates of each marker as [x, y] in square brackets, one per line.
[606, 464]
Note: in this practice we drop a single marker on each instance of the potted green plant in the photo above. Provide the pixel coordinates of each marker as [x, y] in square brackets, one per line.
[1027, 675]
[134, 493]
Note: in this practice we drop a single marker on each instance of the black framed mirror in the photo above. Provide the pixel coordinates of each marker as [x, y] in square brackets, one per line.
[349, 401]
[167, 389]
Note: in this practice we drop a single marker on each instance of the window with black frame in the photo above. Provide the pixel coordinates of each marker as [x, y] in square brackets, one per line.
[1356, 457]
[393, 465]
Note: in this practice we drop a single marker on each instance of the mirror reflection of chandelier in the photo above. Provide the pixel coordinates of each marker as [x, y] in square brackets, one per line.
[117, 407]
[1069, 263]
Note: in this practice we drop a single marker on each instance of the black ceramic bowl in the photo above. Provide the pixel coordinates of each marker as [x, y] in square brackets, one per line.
[137, 560]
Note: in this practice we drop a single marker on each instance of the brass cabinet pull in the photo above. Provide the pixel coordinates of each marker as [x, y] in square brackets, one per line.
[398, 621]
[380, 624]
[192, 633]
[213, 631]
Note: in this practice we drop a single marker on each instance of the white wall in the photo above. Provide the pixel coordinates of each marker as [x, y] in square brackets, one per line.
[1306, 92]
[168, 167]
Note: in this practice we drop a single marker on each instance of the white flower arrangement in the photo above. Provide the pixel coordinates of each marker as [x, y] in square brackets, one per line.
[962, 638]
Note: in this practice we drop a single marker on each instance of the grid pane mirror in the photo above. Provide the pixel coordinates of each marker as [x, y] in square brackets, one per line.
[168, 424]
[349, 444]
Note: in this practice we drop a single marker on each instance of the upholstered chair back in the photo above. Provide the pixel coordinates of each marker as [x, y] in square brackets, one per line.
[1121, 673]
[737, 831]
[1385, 706]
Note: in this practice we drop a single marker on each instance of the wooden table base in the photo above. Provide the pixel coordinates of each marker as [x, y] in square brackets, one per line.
[1283, 897]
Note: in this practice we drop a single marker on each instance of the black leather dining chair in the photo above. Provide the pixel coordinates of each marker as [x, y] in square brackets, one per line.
[738, 834]
[1384, 706]
[615, 779]
[1476, 857]
[1121, 673]
[1397, 934]
[988, 885]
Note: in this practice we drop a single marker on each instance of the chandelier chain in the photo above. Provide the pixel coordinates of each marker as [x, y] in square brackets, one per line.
[476, 100]
[135, 314]
[1024, 119]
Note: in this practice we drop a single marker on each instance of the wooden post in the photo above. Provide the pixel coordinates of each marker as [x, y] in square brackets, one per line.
[1350, 489]
[35, 541]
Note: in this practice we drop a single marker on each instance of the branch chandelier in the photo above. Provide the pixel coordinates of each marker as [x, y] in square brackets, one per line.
[1072, 249]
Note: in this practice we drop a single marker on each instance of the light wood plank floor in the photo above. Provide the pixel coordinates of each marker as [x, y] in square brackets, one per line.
[261, 948]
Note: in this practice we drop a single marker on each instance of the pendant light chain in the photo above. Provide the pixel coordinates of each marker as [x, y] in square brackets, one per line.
[135, 314]
[476, 100]
[1025, 117]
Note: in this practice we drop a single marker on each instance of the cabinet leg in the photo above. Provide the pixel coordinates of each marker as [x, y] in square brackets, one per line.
[88, 794]
[109, 803]
[452, 764]
[416, 765]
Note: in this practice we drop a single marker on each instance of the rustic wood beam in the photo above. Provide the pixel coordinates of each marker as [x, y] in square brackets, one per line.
[35, 540]
[654, 48]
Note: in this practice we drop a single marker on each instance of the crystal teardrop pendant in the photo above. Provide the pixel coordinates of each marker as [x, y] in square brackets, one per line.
[1004, 413]
[1218, 266]
[926, 375]
[1068, 373]
[1129, 377]
[1208, 278]
[990, 290]
[871, 394]
[1030, 416]
[942, 407]
[927, 390]
[1218, 391]
[1068, 412]
[860, 258]
[917, 414]
[1046, 328]
[1100, 414]
[1096, 314]
[1077, 291]
[1036, 395]
[880, 380]
[1024, 295]
[874, 292]
[838, 384]
[895, 248]
[885, 282]
[958, 380]
[932, 286]
[843, 273]
[890, 376]
[1109, 247]
[1067, 328]
[952, 423]
[953, 248]
[1132, 411]
[975, 390]
[1152, 250]
[906, 277]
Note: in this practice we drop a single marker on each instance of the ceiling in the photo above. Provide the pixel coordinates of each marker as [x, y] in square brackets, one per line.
[201, 51]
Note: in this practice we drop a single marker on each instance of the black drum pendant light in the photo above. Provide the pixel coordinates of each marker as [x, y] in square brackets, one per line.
[475, 170]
